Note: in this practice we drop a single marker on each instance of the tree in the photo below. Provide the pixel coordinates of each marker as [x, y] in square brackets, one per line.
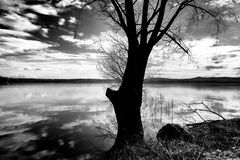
[114, 59]
[147, 23]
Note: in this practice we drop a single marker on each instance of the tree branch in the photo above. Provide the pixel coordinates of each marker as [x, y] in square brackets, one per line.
[113, 18]
[119, 5]
[155, 12]
[180, 8]
[182, 46]
[159, 20]
[144, 23]
[120, 16]
[131, 23]
[217, 20]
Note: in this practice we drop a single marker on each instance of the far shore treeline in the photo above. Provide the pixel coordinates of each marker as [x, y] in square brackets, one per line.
[197, 80]
[5, 80]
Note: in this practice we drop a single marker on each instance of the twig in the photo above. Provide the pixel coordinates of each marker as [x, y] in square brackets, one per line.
[195, 110]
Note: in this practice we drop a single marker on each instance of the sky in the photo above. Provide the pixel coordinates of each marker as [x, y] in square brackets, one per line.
[38, 41]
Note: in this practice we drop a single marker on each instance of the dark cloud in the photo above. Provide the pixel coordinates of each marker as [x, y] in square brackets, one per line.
[215, 98]
[2, 65]
[232, 55]
[26, 56]
[217, 61]
[3, 12]
[231, 36]
[19, 55]
[213, 67]
[238, 50]
[88, 26]
[35, 2]
[218, 58]
[2, 26]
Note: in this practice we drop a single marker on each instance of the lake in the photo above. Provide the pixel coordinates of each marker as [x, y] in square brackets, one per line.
[68, 120]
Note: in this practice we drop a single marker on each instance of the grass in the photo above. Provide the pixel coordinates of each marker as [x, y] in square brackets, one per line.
[220, 134]
[152, 150]
[213, 140]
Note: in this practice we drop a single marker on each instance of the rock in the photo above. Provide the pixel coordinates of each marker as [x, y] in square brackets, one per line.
[171, 132]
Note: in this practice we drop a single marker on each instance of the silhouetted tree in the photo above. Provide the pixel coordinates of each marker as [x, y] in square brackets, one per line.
[147, 23]
[114, 58]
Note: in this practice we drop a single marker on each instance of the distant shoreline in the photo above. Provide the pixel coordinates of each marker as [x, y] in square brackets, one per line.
[192, 81]
[5, 80]
[197, 81]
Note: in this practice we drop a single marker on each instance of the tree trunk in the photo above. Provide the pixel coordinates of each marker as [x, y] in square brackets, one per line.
[127, 101]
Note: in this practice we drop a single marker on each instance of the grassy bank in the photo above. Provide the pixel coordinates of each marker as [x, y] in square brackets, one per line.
[212, 140]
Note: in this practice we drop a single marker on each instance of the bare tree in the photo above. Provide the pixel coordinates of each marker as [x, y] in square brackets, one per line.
[114, 59]
[147, 23]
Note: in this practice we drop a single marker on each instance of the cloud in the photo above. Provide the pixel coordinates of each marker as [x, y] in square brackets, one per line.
[13, 45]
[218, 58]
[61, 21]
[53, 70]
[40, 38]
[213, 67]
[221, 3]
[33, 43]
[72, 20]
[44, 32]
[20, 5]
[14, 33]
[78, 4]
[237, 50]
[79, 42]
[47, 63]
[233, 55]
[11, 5]
[31, 16]
[205, 60]
[102, 41]
[231, 36]
[49, 55]
[15, 56]
[18, 22]
[44, 9]
[237, 70]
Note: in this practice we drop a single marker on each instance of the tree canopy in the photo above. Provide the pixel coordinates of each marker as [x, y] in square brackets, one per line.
[146, 22]
[158, 22]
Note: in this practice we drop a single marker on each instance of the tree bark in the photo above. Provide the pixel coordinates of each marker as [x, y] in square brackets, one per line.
[127, 100]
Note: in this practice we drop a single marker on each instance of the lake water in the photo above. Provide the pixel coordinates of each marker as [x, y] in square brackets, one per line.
[67, 120]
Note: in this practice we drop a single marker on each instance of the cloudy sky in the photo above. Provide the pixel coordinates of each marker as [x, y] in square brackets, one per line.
[38, 41]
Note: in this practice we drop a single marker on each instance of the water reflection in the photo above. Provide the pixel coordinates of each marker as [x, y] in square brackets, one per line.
[60, 119]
